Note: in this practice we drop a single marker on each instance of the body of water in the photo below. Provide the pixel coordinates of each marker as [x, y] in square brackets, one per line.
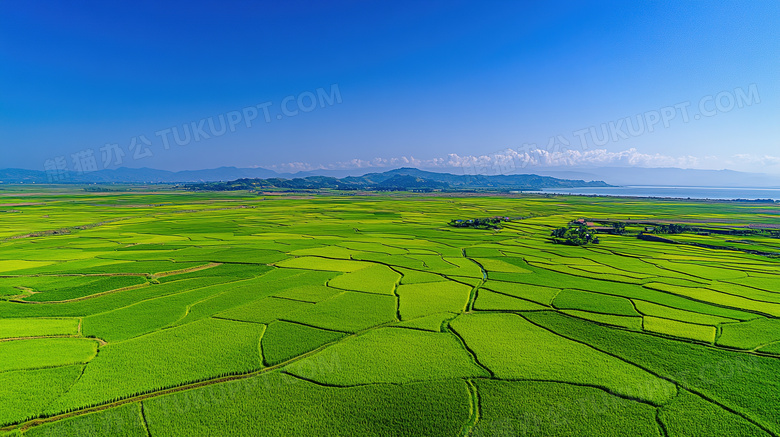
[715, 193]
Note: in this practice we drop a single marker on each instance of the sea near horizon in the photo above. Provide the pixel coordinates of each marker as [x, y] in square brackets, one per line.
[712, 193]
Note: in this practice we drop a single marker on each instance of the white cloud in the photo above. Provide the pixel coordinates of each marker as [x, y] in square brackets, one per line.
[754, 160]
[515, 160]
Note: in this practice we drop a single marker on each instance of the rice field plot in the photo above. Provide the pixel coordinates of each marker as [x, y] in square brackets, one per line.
[38, 327]
[433, 323]
[241, 292]
[24, 286]
[718, 298]
[498, 265]
[283, 341]
[751, 334]
[628, 322]
[326, 264]
[683, 417]
[236, 271]
[772, 348]
[125, 420]
[570, 270]
[282, 405]
[418, 300]
[375, 291]
[701, 271]
[729, 378]
[515, 408]
[513, 348]
[86, 286]
[390, 355]
[647, 292]
[652, 309]
[168, 358]
[327, 252]
[152, 314]
[491, 301]
[26, 393]
[395, 261]
[107, 302]
[417, 277]
[378, 279]
[535, 293]
[594, 302]
[15, 267]
[746, 292]
[347, 312]
[759, 281]
[676, 328]
[265, 310]
[45, 352]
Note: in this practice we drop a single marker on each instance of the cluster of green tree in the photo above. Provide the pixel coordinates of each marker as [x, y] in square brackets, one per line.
[574, 235]
[480, 223]
[673, 228]
[618, 228]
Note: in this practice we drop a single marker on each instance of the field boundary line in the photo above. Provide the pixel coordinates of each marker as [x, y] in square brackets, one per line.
[469, 351]
[144, 421]
[576, 384]
[23, 426]
[187, 270]
[661, 426]
[758, 313]
[473, 293]
[475, 407]
[676, 384]
[83, 298]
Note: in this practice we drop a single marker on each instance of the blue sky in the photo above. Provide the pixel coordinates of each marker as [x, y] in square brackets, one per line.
[431, 84]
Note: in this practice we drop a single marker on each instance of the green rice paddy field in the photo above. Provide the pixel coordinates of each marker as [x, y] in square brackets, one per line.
[170, 313]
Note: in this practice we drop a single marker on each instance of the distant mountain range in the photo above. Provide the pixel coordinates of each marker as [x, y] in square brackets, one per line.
[676, 177]
[411, 179]
[574, 176]
[134, 175]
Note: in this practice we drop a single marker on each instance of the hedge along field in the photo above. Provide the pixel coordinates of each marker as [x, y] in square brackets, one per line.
[392, 297]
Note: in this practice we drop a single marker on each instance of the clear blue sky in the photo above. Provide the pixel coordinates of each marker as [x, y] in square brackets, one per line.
[416, 79]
